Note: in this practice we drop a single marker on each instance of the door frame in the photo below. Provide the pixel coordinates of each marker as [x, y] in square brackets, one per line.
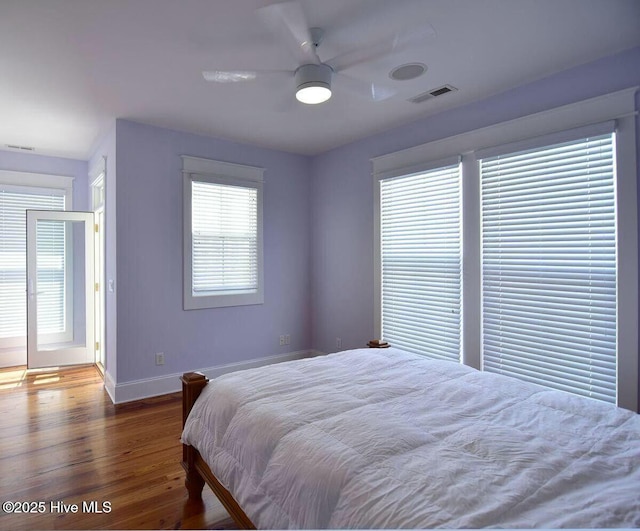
[64, 355]
[98, 196]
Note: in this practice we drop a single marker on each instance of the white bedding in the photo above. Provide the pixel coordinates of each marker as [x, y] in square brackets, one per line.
[380, 438]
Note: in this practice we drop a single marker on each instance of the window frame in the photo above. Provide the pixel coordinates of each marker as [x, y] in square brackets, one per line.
[618, 106]
[14, 348]
[218, 172]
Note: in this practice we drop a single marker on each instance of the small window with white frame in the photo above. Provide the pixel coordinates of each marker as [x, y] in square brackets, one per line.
[222, 234]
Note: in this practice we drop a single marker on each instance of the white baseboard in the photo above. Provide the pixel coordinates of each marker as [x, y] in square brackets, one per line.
[162, 385]
[110, 386]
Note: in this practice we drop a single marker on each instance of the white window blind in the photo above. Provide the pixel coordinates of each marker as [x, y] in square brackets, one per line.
[549, 266]
[225, 235]
[51, 252]
[13, 311]
[421, 262]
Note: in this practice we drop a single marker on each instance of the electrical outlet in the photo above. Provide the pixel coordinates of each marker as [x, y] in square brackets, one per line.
[159, 358]
[281, 340]
[338, 342]
[287, 339]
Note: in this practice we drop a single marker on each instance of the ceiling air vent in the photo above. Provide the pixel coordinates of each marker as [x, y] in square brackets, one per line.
[24, 148]
[432, 94]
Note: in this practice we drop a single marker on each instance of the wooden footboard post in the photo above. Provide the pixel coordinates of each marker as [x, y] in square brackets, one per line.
[192, 385]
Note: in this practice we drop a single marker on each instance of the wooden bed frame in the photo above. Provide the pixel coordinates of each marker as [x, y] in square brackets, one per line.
[198, 472]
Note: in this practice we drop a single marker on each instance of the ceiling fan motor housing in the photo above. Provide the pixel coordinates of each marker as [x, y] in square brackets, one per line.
[313, 75]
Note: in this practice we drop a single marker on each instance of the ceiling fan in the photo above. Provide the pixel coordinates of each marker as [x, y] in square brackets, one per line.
[313, 77]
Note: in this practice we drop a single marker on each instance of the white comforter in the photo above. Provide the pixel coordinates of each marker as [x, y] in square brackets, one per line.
[377, 438]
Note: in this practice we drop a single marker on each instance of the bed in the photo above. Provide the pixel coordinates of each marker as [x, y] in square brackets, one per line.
[382, 438]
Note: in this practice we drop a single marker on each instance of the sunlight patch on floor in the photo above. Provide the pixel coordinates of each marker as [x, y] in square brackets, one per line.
[46, 378]
[14, 378]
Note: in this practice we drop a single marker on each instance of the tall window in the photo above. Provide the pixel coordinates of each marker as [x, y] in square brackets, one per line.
[549, 266]
[223, 236]
[549, 253]
[15, 199]
[421, 262]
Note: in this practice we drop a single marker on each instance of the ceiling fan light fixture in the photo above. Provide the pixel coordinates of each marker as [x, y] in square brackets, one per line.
[313, 94]
[313, 83]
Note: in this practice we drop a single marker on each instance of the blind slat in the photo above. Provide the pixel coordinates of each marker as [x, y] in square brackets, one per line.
[421, 262]
[549, 266]
[224, 238]
[13, 278]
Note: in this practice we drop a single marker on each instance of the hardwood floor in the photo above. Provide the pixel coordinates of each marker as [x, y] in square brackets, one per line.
[62, 442]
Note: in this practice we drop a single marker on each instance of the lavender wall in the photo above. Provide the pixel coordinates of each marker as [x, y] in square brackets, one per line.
[150, 317]
[342, 190]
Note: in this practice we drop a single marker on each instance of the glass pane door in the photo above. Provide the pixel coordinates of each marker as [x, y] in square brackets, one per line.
[60, 287]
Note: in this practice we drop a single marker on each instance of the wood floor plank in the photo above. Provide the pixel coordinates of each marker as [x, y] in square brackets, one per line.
[63, 443]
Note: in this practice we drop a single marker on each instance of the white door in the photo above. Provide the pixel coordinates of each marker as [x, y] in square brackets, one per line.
[60, 287]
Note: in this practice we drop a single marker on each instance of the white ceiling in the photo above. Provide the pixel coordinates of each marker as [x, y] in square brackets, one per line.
[69, 67]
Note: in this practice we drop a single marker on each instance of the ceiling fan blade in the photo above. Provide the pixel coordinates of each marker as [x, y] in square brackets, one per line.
[229, 76]
[365, 89]
[237, 76]
[395, 43]
[287, 18]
